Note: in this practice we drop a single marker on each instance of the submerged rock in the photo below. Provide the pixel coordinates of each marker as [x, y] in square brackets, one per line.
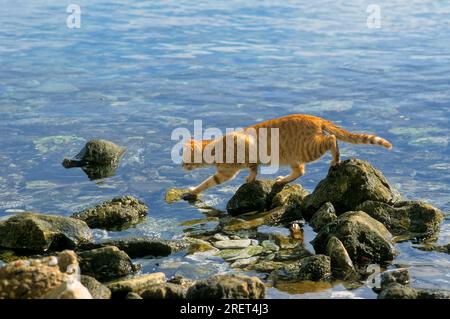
[49, 277]
[38, 232]
[139, 284]
[414, 217]
[97, 290]
[365, 239]
[277, 216]
[264, 194]
[341, 263]
[116, 214]
[96, 152]
[106, 263]
[347, 185]
[227, 287]
[137, 247]
[323, 216]
[315, 268]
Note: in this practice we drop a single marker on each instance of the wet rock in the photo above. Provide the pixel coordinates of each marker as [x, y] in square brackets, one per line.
[246, 262]
[96, 152]
[97, 290]
[106, 263]
[432, 294]
[397, 291]
[395, 276]
[268, 266]
[165, 291]
[219, 236]
[365, 239]
[269, 245]
[250, 197]
[181, 281]
[230, 244]
[175, 194]
[38, 232]
[198, 245]
[48, 277]
[347, 185]
[287, 195]
[264, 194]
[137, 247]
[280, 215]
[234, 254]
[227, 287]
[341, 263]
[323, 216]
[315, 268]
[116, 214]
[139, 284]
[133, 295]
[405, 216]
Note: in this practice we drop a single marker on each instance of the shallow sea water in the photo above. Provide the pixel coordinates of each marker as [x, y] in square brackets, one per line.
[136, 70]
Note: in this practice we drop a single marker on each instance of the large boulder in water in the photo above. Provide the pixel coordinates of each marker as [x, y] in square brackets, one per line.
[116, 214]
[414, 217]
[106, 263]
[261, 195]
[365, 239]
[347, 185]
[38, 232]
[96, 152]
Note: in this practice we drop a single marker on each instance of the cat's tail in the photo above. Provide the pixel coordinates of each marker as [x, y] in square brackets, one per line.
[354, 138]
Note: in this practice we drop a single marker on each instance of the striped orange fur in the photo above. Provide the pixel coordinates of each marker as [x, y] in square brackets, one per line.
[302, 139]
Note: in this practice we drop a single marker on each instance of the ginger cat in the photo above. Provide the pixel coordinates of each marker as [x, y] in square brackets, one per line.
[302, 139]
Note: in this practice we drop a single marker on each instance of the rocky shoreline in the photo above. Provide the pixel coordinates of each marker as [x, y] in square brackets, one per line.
[357, 215]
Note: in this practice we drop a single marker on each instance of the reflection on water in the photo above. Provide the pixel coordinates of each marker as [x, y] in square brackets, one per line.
[137, 70]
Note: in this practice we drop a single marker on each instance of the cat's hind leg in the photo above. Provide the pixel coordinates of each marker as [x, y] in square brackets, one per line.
[297, 171]
[253, 173]
[221, 176]
[334, 149]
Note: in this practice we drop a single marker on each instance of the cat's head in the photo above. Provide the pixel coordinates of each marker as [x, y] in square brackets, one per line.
[193, 154]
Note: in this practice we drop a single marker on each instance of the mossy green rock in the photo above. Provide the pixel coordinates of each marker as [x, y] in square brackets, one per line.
[347, 185]
[234, 254]
[341, 263]
[365, 239]
[264, 194]
[315, 268]
[414, 217]
[96, 152]
[105, 263]
[116, 214]
[39, 232]
[323, 216]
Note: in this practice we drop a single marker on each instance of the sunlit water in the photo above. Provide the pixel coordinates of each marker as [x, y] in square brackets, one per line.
[136, 70]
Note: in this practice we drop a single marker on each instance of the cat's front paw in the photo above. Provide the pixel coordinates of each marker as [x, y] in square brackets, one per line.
[334, 163]
[250, 179]
[280, 180]
[189, 196]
